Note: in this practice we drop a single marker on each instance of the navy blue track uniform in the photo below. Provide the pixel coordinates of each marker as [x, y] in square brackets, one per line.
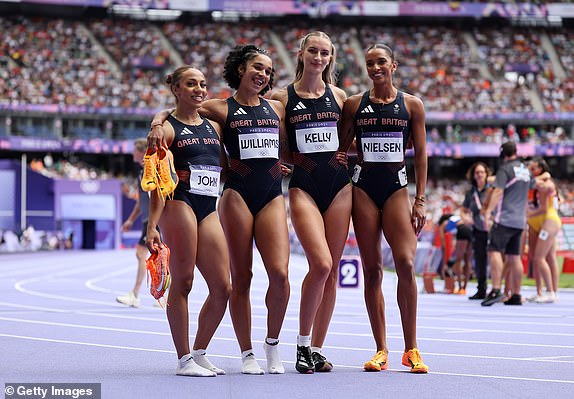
[196, 155]
[251, 138]
[312, 131]
[382, 132]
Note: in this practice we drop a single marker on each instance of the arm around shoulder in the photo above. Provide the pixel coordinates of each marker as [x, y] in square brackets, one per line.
[156, 137]
[214, 110]
[160, 117]
[281, 96]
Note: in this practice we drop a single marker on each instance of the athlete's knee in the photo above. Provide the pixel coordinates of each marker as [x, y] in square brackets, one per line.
[538, 260]
[373, 275]
[182, 285]
[321, 269]
[279, 280]
[221, 290]
[223, 293]
[332, 278]
[241, 282]
[405, 266]
[141, 256]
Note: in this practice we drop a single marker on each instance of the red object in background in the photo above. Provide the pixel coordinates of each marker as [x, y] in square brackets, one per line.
[568, 265]
[448, 242]
[524, 259]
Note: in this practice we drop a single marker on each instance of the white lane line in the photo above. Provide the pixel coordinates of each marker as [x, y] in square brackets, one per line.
[449, 320]
[448, 330]
[147, 332]
[501, 377]
[284, 329]
[551, 358]
[91, 284]
[530, 322]
[19, 286]
[33, 271]
[22, 266]
[288, 362]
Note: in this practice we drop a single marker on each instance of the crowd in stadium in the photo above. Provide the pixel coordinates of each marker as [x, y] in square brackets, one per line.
[121, 63]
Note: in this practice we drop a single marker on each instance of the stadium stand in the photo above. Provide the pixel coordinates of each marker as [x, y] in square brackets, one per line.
[482, 80]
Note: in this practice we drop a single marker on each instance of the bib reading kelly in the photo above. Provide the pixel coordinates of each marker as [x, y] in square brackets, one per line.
[204, 180]
[317, 137]
[382, 146]
[259, 143]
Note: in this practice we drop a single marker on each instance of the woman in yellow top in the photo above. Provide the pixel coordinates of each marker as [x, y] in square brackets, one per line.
[543, 226]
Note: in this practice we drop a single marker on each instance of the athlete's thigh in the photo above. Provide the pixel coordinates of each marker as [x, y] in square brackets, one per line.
[532, 238]
[546, 238]
[308, 223]
[272, 235]
[397, 227]
[367, 225]
[237, 223]
[468, 252]
[337, 219]
[178, 226]
[212, 251]
[460, 248]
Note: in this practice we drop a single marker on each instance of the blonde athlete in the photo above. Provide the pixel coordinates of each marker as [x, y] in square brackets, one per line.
[319, 190]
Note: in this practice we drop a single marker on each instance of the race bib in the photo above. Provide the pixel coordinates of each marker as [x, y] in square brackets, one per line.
[317, 137]
[204, 180]
[382, 146]
[356, 173]
[259, 143]
[403, 176]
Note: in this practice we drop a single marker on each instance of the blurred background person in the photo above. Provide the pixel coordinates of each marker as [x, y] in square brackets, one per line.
[543, 226]
[141, 208]
[474, 200]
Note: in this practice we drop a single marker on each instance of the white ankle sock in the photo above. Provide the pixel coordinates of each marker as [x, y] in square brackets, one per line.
[187, 367]
[202, 360]
[250, 365]
[316, 349]
[274, 365]
[303, 340]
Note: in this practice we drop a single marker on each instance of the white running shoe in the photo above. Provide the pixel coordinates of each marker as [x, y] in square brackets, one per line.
[187, 367]
[533, 298]
[544, 299]
[129, 299]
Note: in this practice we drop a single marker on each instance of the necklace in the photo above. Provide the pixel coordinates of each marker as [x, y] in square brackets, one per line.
[195, 121]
